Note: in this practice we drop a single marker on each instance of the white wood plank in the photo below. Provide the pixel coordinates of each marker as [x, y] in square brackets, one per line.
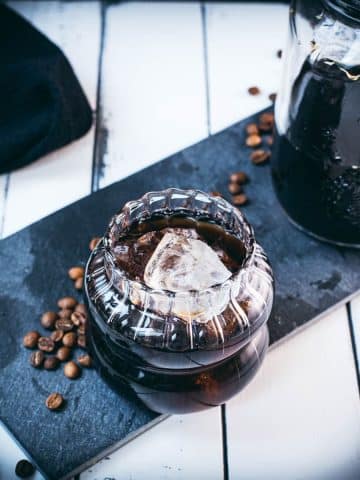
[182, 447]
[65, 175]
[355, 314]
[10, 454]
[300, 417]
[242, 42]
[153, 84]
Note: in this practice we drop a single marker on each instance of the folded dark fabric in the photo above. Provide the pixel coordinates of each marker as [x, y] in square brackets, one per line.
[42, 105]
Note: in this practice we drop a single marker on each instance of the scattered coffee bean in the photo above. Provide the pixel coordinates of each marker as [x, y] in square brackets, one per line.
[239, 177]
[270, 140]
[37, 359]
[80, 307]
[24, 469]
[81, 341]
[81, 330]
[30, 339]
[79, 282]
[48, 320]
[54, 401]
[254, 90]
[65, 313]
[76, 272]
[253, 140]
[67, 302]
[240, 199]
[215, 194]
[266, 122]
[93, 243]
[72, 370]
[64, 324]
[85, 361]
[272, 97]
[259, 157]
[57, 335]
[51, 363]
[252, 129]
[279, 53]
[46, 344]
[69, 339]
[234, 188]
[78, 318]
[63, 354]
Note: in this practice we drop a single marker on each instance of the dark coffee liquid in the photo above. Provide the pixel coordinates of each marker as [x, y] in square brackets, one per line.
[133, 250]
[316, 163]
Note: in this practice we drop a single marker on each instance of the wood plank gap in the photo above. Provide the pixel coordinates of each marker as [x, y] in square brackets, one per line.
[353, 343]
[206, 64]
[100, 135]
[6, 191]
[224, 442]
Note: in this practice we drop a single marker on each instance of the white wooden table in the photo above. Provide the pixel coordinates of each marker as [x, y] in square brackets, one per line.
[161, 77]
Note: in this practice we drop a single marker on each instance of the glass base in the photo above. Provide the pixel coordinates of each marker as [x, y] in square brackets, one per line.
[319, 237]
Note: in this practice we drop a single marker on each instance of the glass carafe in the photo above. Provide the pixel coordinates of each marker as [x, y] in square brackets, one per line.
[316, 160]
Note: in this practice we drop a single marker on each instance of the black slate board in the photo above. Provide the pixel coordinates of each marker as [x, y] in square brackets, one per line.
[311, 277]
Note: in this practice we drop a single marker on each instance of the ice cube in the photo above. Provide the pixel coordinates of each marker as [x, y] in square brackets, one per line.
[181, 263]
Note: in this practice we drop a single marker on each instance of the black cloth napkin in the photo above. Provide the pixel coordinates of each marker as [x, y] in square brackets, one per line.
[42, 105]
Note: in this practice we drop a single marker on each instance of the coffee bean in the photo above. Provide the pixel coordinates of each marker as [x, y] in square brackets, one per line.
[259, 157]
[64, 324]
[80, 307]
[267, 117]
[67, 302]
[239, 177]
[72, 370]
[54, 401]
[78, 318]
[81, 341]
[65, 313]
[76, 272]
[93, 243]
[24, 469]
[79, 283]
[266, 122]
[234, 188]
[240, 199]
[252, 129]
[48, 320]
[270, 140]
[85, 361]
[253, 140]
[81, 330]
[215, 194]
[30, 339]
[36, 359]
[57, 335]
[51, 363]
[254, 90]
[279, 53]
[272, 97]
[69, 339]
[63, 354]
[46, 344]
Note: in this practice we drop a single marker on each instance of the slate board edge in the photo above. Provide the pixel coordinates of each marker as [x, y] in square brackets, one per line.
[97, 457]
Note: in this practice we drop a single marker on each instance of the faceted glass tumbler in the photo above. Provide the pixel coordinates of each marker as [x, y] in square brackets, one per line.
[178, 363]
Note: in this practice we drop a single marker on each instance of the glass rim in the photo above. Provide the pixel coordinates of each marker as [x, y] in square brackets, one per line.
[121, 222]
